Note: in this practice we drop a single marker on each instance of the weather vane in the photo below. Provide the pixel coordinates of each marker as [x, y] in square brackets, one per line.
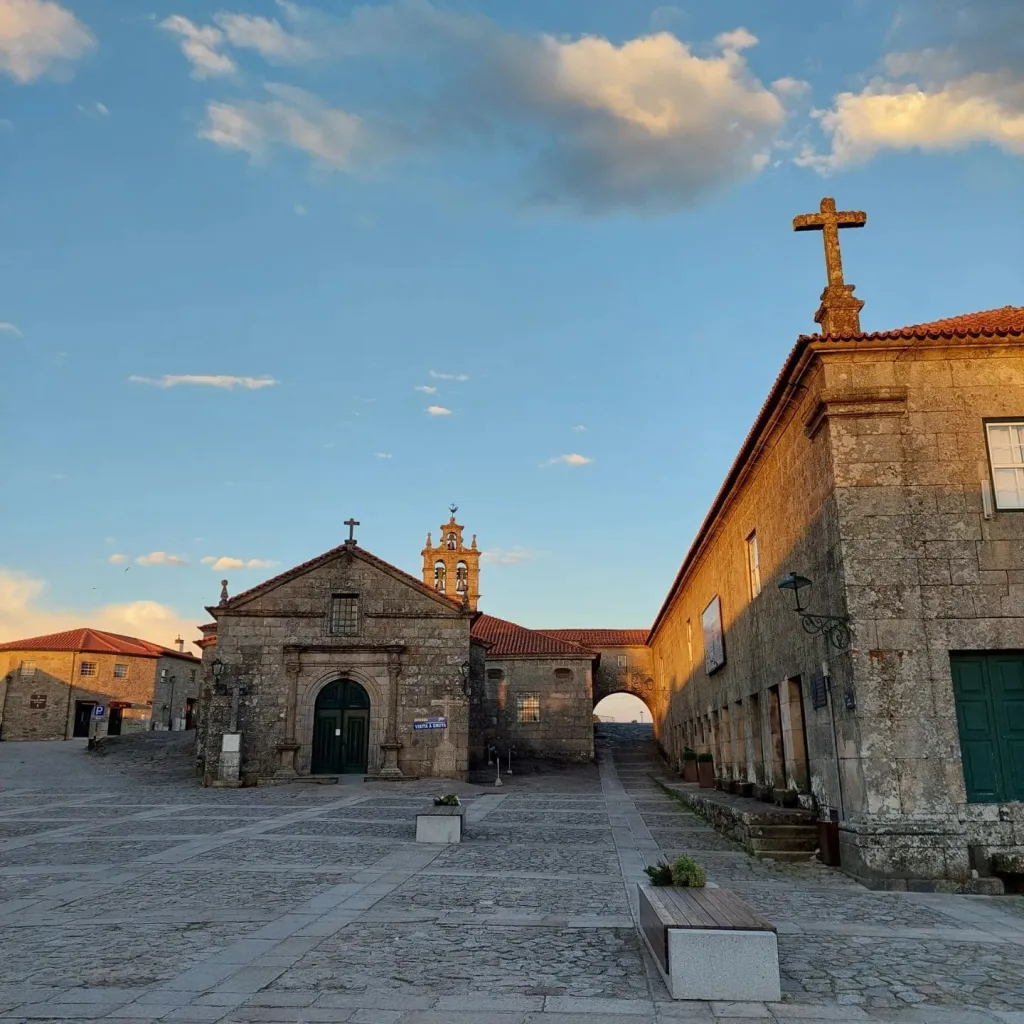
[453, 508]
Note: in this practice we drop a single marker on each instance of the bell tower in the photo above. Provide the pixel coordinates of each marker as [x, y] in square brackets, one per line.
[451, 568]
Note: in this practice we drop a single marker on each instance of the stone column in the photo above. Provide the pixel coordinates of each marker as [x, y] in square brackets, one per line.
[289, 746]
[793, 735]
[392, 745]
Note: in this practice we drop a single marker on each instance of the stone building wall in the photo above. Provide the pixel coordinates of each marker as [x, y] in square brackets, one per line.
[57, 683]
[277, 645]
[926, 574]
[564, 689]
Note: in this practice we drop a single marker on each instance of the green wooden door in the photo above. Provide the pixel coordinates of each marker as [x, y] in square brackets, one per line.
[989, 692]
[326, 742]
[355, 732]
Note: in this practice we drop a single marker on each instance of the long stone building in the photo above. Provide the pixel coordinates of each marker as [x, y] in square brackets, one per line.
[51, 686]
[347, 664]
[885, 471]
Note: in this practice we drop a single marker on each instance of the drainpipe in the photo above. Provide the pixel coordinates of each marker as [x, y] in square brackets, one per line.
[835, 740]
[71, 692]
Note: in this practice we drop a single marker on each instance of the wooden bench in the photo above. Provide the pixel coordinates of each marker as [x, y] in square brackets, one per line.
[440, 824]
[709, 944]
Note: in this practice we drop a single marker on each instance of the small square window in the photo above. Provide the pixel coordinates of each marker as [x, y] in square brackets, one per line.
[621, 660]
[344, 615]
[528, 707]
[87, 668]
[1006, 458]
[120, 671]
[753, 565]
[28, 669]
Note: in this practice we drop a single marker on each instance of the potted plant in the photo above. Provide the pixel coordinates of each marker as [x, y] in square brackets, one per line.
[447, 800]
[683, 872]
[689, 765]
[706, 771]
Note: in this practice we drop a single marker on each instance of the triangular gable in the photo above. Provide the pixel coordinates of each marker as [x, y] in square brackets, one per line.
[352, 550]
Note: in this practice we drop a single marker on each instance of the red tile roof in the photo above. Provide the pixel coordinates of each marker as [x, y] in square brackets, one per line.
[95, 641]
[600, 637]
[507, 640]
[1008, 321]
[313, 563]
[989, 323]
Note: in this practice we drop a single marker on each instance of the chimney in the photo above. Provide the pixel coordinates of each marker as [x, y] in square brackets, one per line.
[181, 645]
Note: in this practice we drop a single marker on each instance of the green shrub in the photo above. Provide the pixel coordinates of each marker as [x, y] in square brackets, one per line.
[689, 755]
[448, 800]
[705, 758]
[660, 873]
[688, 873]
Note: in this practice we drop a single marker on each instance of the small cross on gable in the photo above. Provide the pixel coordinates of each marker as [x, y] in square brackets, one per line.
[352, 524]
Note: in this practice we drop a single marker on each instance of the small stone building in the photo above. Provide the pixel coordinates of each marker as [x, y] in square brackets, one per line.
[51, 685]
[885, 470]
[346, 664]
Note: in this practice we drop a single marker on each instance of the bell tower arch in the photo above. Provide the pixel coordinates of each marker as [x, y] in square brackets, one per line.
[450, 567]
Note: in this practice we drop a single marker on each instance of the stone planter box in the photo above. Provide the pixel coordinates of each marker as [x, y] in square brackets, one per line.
[744, 789]
[440, 825]
[690, 771]
[706, 774]
[721, 783]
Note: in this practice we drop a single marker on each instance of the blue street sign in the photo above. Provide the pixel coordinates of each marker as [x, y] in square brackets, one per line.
[429, 723]
[99, 711]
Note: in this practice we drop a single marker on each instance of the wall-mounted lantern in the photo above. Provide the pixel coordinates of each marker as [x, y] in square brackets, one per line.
[834, 628]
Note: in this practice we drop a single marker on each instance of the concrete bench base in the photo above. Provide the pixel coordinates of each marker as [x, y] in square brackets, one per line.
[436, 827]
[720, 965]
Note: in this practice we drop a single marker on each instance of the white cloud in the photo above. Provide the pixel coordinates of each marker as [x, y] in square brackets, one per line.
[228, 383]
[95, 109]
[21, 615]
[438, 410]
[573, 459]
[448, 376]
[6, 328]
[383, 455]
[648, 123]
[579, 428]
[790, 87]
[117, 559]
[160, 558]
[201, 46]
[511, 556]
[221, 562]
[335, 139]
[37, 36]
[266, 37]
[980, 108]
[300, 210]
[426, 389]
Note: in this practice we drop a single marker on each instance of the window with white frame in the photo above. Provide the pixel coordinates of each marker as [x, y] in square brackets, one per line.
[87, 668]
[344, 614]
[1006, 457]
[753, 565]
[620, 660]
[28, 669]
[528, 707]
[120, 671]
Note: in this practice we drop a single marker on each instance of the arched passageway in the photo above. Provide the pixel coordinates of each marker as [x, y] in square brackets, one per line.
[341, 729]
[622, 707]
[622, 721]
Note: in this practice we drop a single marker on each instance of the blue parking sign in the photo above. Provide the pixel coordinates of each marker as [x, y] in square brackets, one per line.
[99, 711]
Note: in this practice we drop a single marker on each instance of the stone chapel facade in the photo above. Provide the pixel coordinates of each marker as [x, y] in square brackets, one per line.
[347, 664]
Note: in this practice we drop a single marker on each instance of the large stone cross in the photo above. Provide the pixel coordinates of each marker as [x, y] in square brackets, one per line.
[828, 222]
[352, 524]
[839, 312]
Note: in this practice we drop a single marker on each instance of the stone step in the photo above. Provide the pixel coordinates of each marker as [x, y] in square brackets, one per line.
[806, 843]
[786, 855]
[783, 832]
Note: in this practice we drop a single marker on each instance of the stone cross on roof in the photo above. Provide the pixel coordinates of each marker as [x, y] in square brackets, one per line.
[839, 312]
[352, 524]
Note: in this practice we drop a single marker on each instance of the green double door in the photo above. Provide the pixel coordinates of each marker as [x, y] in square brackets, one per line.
[989, 691]
[341, 729]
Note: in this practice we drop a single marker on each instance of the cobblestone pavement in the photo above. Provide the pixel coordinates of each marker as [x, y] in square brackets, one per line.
[129, 894]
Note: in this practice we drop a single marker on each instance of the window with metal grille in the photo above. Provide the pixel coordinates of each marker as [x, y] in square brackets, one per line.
[344, 614]
[28, 669]
[87, 668]
[120, 671]
[528, 707]
[1006, 457]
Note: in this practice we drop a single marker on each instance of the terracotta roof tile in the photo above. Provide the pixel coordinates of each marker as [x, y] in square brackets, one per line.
[507, 640]
[95, 641]
[600, 637]
[989, 323]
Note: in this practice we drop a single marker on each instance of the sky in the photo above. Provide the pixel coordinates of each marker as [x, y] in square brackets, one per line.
[265, 266]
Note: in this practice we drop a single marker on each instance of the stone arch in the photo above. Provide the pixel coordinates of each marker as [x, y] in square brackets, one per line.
[639, 684]
[306, 711]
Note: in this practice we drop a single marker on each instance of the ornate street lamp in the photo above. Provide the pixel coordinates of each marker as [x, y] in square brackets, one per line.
[216, 667]
[834, 628]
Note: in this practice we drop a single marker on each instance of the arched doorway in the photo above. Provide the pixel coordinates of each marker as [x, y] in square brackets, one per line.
[341, 729]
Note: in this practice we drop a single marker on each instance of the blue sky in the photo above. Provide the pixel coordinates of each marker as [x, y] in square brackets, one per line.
[238, 240]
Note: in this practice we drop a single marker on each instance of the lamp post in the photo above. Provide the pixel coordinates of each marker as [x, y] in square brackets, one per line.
[170, 715]
[464, 674]
[834, 628]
